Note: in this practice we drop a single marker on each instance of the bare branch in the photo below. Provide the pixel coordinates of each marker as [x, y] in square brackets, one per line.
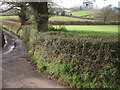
[1, 3]
[7, 9]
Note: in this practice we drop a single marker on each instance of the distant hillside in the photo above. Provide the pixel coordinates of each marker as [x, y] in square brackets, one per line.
[84, 12]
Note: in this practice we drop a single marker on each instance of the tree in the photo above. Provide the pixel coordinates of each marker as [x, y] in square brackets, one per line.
[107, 14]
[41, 15]
[22, 14]
[63, 13]
[21, 7]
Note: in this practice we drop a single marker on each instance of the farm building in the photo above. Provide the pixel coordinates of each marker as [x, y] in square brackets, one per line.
[87, 5]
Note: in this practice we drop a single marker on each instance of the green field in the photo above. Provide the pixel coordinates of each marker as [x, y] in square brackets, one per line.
[81, 29]
[83, 12]
[92, 29]
[59, 18]
[63, 18]
[8, 17]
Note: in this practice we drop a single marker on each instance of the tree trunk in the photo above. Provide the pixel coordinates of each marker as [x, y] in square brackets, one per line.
[22, 14]
[41, 15]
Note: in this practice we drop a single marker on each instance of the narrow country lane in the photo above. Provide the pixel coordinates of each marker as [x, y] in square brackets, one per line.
[17, 72]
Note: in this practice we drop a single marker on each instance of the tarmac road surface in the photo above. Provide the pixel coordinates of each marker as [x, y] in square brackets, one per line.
[17, 72]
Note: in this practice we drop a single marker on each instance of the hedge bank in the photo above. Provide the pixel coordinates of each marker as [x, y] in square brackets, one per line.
[82, 22]
[82, 62]
[79, 22]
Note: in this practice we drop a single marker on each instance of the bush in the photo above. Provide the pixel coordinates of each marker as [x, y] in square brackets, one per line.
[63, 13]
[87, 62]
[87, 22]
[60, 28]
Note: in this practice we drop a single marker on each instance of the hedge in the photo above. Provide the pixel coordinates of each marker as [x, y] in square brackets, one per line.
[85, 61]
[87, 22]
[79, 61]
[80, 22]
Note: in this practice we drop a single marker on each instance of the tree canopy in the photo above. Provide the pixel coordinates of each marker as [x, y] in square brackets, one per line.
[40, 10]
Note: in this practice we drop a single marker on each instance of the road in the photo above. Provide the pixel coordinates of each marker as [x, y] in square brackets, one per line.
[17, 72]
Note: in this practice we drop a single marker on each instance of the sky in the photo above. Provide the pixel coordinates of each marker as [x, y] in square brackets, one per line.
[98, 3]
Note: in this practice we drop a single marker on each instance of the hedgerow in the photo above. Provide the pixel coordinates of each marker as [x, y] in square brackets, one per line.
[87, 62]
[85, 22]
[79, 61]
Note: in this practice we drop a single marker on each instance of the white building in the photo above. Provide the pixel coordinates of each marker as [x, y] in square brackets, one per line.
[87, 5]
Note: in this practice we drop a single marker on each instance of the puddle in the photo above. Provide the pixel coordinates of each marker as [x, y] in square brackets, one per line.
[8, 47]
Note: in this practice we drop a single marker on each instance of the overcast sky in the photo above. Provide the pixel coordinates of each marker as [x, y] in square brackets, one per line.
[98, 3]
[72, 3]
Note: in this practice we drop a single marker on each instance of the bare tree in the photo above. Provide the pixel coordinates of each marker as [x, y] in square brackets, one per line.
[40, 10]
[21, 8]
[107, 14]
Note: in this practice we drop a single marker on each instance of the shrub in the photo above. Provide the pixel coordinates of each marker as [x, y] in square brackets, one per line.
[60, 28]
[63, 13]
[79, 61]
[87, 22]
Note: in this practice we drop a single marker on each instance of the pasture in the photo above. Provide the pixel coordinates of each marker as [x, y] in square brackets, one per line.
[101, 30]
[53, 18]
[84, 12]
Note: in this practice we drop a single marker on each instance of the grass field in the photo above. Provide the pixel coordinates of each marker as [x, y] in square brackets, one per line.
[83, 12]
[63, 18]
[92, 29]
[81, 29]
[8, 17]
